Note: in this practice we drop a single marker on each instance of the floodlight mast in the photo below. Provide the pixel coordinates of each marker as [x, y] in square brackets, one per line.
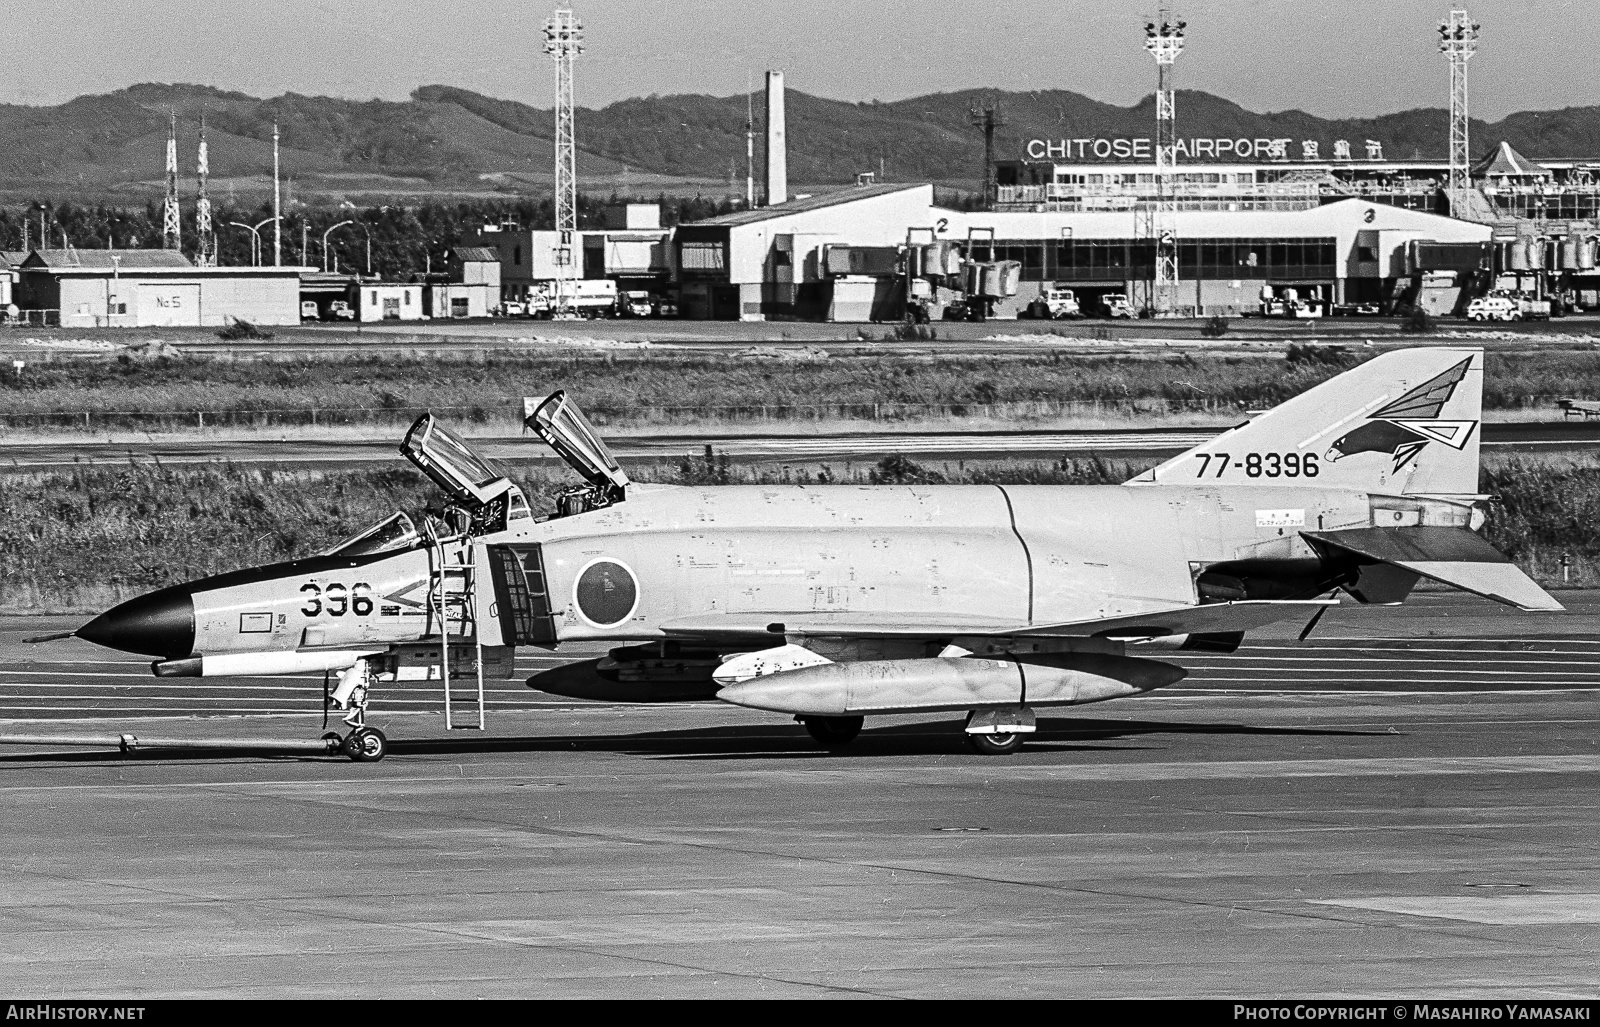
[1458, 41]
[563, 42]
[1164, 41]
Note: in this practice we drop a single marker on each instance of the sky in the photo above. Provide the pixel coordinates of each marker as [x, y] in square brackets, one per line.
[1334, 58]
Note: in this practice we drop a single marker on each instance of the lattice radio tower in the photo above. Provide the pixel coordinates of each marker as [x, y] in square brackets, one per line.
[563, 41]
[988, 118]
[1164, 40]
[171, 226]
[1458, 41]
[206, 247]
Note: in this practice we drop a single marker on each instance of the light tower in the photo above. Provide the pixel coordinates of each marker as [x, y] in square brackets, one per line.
[1458, 41]
[988, 118]
[1164, 40]
[563, 41]
[171, 226]
[206, 248]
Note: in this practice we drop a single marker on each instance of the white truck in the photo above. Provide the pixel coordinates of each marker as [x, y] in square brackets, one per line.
[1117, 306]
[576, 297]
[1501, 307]
[636, 303]
[1055, 303]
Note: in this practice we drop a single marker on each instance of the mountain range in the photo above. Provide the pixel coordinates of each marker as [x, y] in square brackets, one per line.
[445, 139]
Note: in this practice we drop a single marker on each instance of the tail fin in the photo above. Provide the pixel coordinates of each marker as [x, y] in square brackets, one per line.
[1402, 423]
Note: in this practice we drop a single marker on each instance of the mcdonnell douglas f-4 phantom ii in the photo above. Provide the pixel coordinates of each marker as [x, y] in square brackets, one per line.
[833, 603]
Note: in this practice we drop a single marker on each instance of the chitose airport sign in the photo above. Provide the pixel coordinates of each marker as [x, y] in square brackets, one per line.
[1141, 148]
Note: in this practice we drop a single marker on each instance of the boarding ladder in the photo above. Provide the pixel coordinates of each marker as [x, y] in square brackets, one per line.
[440, 596]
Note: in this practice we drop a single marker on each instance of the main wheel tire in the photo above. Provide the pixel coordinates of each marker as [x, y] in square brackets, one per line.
[995, 745]
[366, 745]
[833, 731]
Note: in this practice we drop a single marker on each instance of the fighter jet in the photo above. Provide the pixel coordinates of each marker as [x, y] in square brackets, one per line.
[833, 603]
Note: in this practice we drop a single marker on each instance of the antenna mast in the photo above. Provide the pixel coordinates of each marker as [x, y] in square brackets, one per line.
[988, 117]
[1164, 40]
[1458, 41]
[277, 205]
[207, 246]
[563, 41]
[171, 226]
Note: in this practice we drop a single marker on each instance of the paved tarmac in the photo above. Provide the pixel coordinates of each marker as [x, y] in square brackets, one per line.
[1404, 806]
[1154, 443]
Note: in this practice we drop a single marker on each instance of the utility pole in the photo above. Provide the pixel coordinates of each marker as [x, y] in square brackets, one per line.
[563, 41]
[1458, 41]
[749, 145]
[988, 118]
[206, 254]
[277, 204]
[171, 226]
[1165, 43]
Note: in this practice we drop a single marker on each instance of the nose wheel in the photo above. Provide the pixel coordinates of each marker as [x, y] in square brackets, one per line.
[366, 745]
[363, 744]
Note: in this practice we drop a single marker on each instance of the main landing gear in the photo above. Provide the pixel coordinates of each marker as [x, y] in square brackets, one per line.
[363, 744]
[833, 732]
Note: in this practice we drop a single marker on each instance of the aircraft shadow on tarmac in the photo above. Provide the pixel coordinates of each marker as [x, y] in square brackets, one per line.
[741, 742]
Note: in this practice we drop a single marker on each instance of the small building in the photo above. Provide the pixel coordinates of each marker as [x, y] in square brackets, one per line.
[153, 288]
[637, 255]
[388, 301]
[472, 288]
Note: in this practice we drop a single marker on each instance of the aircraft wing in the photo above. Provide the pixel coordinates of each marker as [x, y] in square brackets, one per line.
[862, 625]
[1210, 618]
[1455, 556]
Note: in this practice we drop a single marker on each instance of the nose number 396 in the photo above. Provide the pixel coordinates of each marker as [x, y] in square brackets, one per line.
[336, 600]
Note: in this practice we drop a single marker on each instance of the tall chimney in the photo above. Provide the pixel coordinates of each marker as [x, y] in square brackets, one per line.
[777, 144]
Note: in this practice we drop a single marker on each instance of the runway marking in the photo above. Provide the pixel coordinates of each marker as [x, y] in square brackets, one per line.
[1499, 910]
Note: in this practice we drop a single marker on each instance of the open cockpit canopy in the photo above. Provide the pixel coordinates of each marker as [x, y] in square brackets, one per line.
[397, 532]
[488, 499]
[451, 463]
[557, 420]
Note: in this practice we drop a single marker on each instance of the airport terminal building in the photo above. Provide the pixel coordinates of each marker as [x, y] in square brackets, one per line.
[839, 255]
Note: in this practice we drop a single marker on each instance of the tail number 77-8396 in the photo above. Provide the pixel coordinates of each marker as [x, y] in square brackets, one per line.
[1260, 465]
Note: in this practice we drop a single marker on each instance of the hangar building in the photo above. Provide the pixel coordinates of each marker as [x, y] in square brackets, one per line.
[153, 288]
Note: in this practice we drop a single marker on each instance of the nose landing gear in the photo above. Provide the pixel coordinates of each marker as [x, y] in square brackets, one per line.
[363, 744]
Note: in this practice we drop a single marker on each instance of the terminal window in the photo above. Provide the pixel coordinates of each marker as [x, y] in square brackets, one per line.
[701, 256]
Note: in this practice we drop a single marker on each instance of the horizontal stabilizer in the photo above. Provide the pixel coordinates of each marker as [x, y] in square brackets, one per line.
[1455, 556]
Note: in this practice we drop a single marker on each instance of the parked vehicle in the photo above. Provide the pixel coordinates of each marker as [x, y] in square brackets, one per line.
[513, 308]
[635, 303]
[1117, 305]
[581, 297]
[1503, 307]
[1054, 304]
[340, 310]
[308, 311]
[665, 307]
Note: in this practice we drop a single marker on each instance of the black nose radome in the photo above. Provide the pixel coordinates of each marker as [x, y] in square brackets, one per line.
[160, 623]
